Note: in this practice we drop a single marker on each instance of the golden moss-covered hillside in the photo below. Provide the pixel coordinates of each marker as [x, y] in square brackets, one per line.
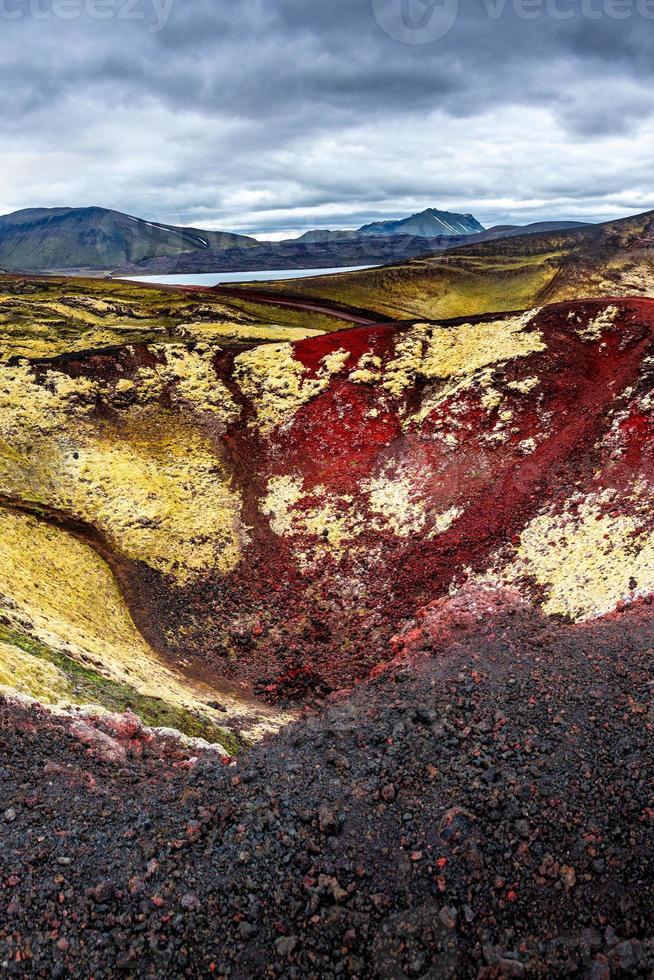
[49, 316]
[615, 259]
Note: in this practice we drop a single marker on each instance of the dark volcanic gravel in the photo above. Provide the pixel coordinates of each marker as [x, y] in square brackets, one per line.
[485, 811]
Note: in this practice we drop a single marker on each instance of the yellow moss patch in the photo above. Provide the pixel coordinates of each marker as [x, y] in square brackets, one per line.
[277, 384]
[362, 376]
[491, 399]
[90, 314]
[283, 493]
[448, 439]
[193, 381]
[330, 518]
[153, 485]
[336, 521]
[42, 341]
[524, 386]
[595, 328]
[401, 372]
[238, 331]
[462, 351]
[22, 672]
[59, 590]
[443, 353]
[334, 363]
[396, 503]
[163, 500]
[8, 453]
[274, 381]
[443, 522]
[527, 446]
[367, 370]
[42, 318]
[585, 561]
[27, 405]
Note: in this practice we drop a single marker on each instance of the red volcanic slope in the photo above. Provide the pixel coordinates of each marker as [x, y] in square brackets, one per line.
[380, 468]
[328, 576]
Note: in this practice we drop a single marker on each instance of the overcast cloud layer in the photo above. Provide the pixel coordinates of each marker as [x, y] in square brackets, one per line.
[274, 116]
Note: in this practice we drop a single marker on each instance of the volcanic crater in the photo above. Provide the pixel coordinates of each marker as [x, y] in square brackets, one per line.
[274, 515]
[425, 552]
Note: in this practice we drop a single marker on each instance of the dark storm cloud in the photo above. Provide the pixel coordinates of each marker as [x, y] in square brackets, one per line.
[276, 115]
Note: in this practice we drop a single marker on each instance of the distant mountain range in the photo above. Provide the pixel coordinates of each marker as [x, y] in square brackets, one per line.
[100, 240]
[427, 224]
[46, 239]
[502, 269]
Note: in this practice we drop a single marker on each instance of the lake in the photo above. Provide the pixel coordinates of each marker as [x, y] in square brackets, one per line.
[216, 278]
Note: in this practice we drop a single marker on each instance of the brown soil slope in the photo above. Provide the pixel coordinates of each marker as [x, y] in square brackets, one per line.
[482, 810]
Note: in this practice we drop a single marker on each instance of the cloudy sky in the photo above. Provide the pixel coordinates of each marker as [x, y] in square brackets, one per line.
[274, 116]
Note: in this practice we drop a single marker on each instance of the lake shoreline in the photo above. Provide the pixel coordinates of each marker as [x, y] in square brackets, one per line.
[220, 278]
